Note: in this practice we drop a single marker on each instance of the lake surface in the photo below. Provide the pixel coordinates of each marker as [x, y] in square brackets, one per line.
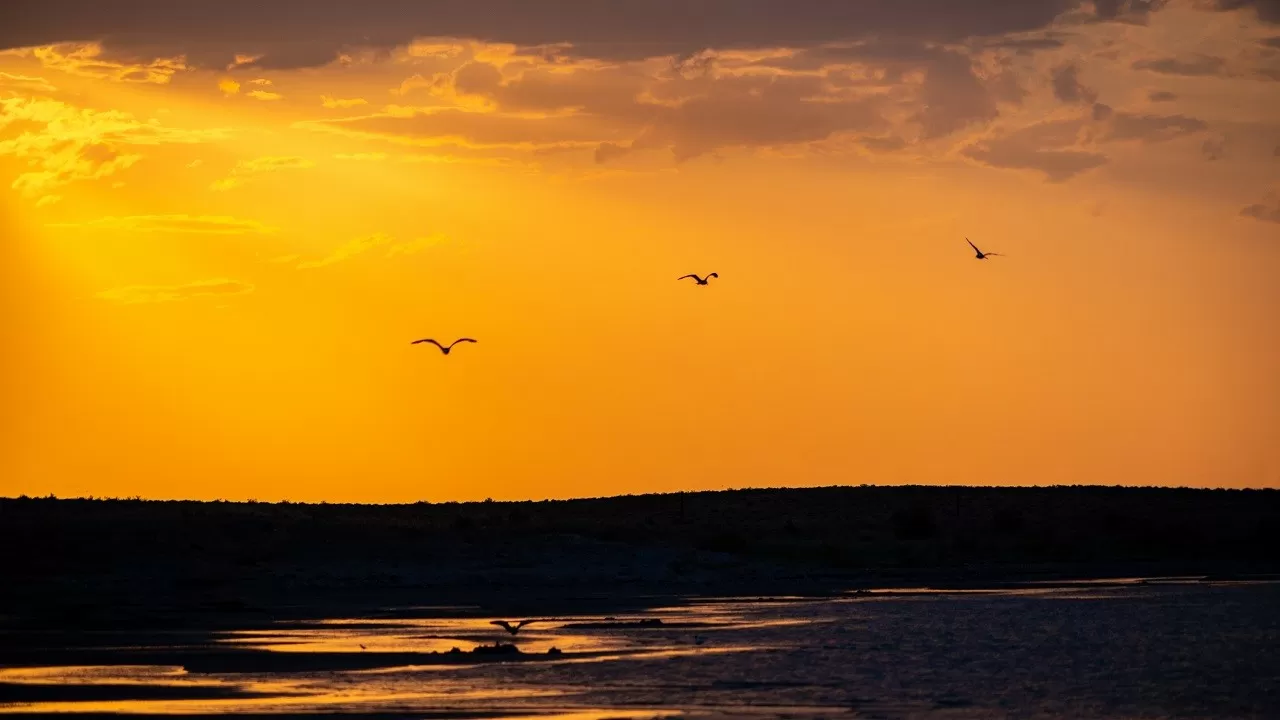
[1114, 649]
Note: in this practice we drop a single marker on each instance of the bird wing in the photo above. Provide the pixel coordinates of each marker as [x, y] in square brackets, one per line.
[975, 247]
[501, 623]
[455, 342]
[427, 340]
[714, 275]
[695, 277]
[522, 623]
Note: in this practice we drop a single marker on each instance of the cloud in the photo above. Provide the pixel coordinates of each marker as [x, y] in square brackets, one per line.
[89, 60]
[450, 126]
[25, 82]
[366, 243]
[357, 246]
[228, 86]
[887, 143]
[1067, 86]
[195, 163]
[207, 224]
[1267, 211]
[331, 102]
[69, 144]
[715, 101]
[261, 82]
[1151, 128]
[308, 33]
[263, 95]
[416, 245]
[1131, 11]
[1051, 148]
[1161, 96]
[1057, 165]
[48, 200]
[246, 169]
[271, 163]
[135, 294]
[1062, 149]
[1194, 66]
[1267, 10]
[606, 152]
[1214, 149]
[372, 157]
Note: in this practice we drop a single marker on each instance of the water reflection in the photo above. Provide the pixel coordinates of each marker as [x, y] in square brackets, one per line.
[896, 652]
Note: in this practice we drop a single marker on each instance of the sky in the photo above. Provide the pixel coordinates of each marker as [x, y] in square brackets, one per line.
[223, 223]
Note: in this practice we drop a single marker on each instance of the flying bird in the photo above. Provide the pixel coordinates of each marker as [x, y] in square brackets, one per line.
[699, 280]
[513, 629]
[443, 348]
[981, 255]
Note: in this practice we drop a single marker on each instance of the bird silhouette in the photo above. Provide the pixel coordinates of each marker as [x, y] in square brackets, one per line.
[981, 255]
[443, 348]
[699, 280]
[513, 629]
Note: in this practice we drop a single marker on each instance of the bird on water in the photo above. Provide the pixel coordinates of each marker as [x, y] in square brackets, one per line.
[443, 348]
[981, 255]
[513, 629]
[699, 280]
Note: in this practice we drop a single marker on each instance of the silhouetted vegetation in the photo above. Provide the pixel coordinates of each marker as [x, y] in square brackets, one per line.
[78, 557]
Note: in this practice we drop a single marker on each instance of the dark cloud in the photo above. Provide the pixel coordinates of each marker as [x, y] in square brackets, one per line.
[297, 33]
[953, 98]
[1161, 96]
[1272, 42]
[1266, 212]
[1130, 10]
[750, 113]
[1030, 44]
[606, 152]
[705, 102]
[1101, 111]
[888, 143]
[1151, 128]
[1067, 86]
[953, 94]
[1057, 165]
[1047, 147]
[477, 78]
[1194, 66]
[1214, 149]
[1268, 10]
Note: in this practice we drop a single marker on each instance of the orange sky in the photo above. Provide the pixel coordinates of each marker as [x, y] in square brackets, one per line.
[216, 244]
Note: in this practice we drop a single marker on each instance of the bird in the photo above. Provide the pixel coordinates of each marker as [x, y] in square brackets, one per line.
[981, 255]
[513, 629]
[443, 348]
[699, 280]
[362, 647]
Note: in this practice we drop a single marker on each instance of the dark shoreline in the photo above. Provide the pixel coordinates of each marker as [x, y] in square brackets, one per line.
[99, 564]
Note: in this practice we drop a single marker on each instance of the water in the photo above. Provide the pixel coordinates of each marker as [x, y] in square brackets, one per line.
[1115, 650]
